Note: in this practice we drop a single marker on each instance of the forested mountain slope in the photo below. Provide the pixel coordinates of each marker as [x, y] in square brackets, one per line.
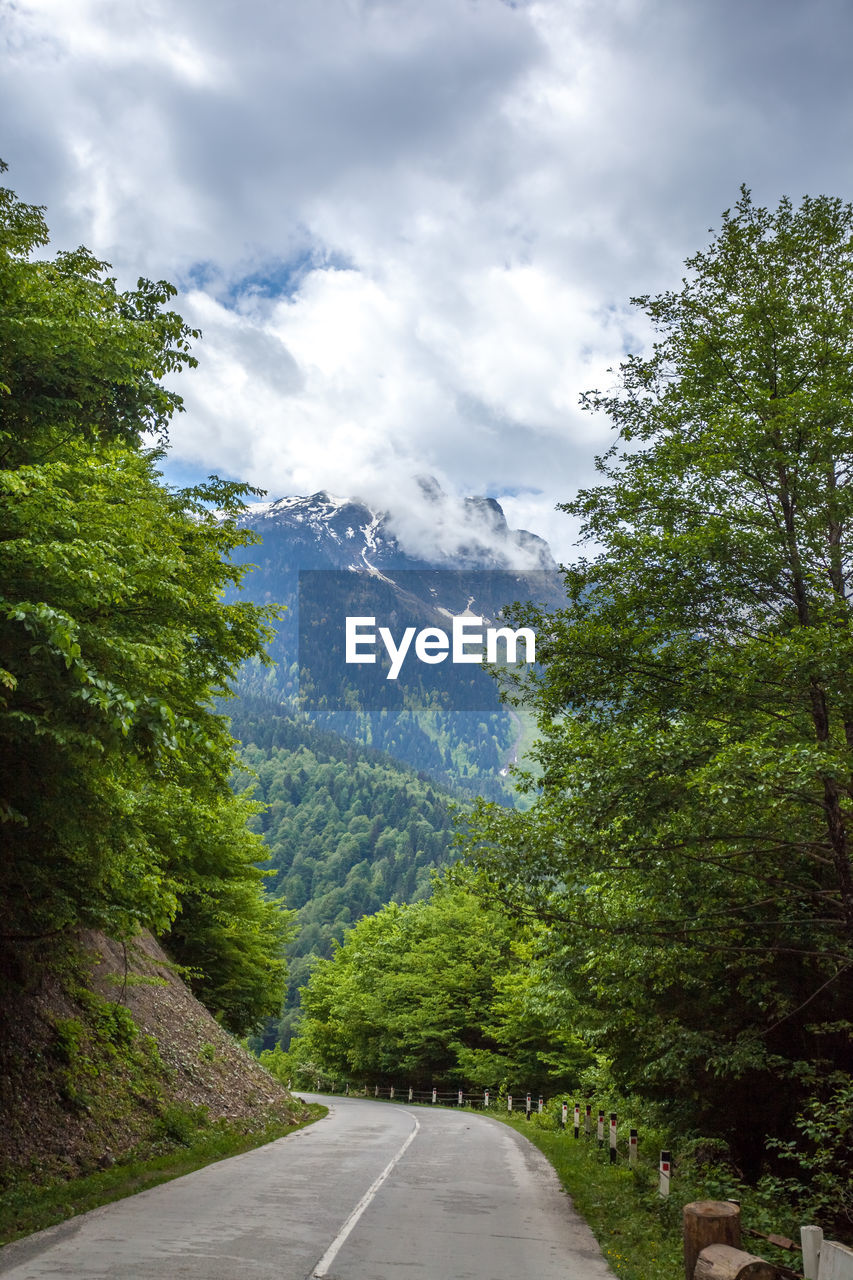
[348, 829]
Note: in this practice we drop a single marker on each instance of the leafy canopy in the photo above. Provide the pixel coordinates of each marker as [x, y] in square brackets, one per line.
[441, 990]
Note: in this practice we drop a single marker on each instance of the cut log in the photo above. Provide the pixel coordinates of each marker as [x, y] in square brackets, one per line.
[708, 1222]
[722, 1262]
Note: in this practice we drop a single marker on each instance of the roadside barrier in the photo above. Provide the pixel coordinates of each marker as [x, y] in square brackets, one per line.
[492, 1100]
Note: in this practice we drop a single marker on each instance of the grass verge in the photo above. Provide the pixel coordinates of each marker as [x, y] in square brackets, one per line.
[639, 1233]
[28, 1206]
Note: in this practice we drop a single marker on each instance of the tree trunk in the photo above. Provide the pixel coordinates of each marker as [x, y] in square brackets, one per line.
[722, 1262]
[708, 1222]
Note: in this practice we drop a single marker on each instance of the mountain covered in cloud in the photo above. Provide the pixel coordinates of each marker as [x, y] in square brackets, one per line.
[439, 558]
[315, 734]
[322, 531]
[420, 567]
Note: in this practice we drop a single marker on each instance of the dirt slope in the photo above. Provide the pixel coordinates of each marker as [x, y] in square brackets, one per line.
[112, 1053]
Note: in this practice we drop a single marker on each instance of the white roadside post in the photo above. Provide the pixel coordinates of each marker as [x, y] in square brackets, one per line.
[460, 1097]
[391, 1095]
[600, 1131]
[564, 1114]
[577, 1120]
[410, 1093]
[486, 1099]
[836, 1261]
[665, 1172]
[541, 1105]
[811, 1239]
[509, 1102]
[434, 1093]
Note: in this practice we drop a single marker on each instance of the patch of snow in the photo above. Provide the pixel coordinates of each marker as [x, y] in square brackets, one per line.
[369, 531]
[373, 571]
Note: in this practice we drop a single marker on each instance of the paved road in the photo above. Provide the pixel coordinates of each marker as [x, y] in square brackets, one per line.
[375, 1191]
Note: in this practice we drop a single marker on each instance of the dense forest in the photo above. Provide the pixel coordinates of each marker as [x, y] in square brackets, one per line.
[348, 829]
[463, 751]
[449, 990]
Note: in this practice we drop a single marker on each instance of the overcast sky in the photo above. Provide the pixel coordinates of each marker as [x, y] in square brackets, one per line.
[409, 229]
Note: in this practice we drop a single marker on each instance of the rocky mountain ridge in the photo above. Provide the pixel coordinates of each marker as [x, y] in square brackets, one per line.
[345, 533]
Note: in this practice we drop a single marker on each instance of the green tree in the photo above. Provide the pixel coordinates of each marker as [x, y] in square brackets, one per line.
[690, 836]
[408, 985]
[114, 640]
[442, 990]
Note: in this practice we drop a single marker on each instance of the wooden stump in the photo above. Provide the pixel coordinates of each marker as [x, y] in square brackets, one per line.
[708, 1222]
[722, 1262]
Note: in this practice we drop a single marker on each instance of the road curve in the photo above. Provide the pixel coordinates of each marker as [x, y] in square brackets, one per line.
[375, 1191]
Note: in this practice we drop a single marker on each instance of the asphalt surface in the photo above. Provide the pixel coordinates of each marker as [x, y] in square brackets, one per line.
[375, 1191]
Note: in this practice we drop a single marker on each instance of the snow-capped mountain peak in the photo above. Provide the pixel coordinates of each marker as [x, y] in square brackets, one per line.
[337, 533]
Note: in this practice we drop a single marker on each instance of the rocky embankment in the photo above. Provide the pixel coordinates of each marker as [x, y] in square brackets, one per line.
[108, 1054]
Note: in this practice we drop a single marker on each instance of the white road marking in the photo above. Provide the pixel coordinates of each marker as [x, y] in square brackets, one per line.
[322, 1267]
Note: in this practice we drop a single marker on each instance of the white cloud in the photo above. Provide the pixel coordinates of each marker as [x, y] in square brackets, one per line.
[409, 228]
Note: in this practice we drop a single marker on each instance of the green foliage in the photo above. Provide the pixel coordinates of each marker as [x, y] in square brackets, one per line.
[179, 1123]
[70, 1034]
[79, 359]
[102, 1041]
[114, 638]
[689, 840]
[110, 1021]
[819, 1158]
[440, 990]
[346, 833]
[278, 1064]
